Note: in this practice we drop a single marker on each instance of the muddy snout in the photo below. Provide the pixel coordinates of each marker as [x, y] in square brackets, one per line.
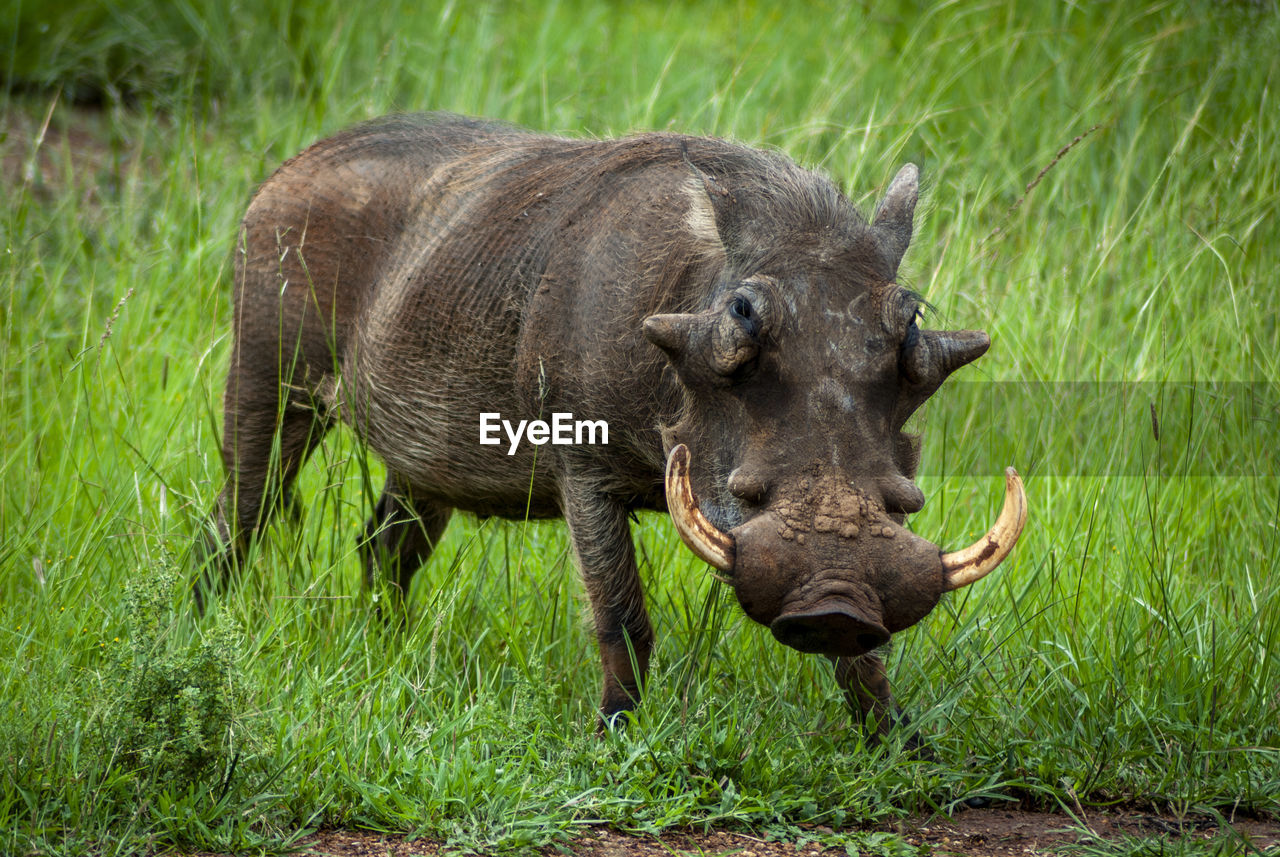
[826, 568]
[818, 594]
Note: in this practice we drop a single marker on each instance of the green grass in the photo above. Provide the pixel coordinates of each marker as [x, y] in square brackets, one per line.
[1128, 652]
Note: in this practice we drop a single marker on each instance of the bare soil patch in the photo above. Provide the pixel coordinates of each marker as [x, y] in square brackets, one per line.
[975, 833]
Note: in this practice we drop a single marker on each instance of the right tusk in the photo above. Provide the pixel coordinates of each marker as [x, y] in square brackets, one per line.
[981, 558]
[703, 537]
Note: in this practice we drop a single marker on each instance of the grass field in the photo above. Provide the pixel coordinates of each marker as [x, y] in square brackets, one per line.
[1102, 196]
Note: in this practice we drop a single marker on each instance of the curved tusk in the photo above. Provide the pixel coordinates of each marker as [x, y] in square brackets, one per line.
[980, 558]
[702, 536]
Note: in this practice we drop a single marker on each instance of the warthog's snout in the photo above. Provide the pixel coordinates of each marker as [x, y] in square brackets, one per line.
[832, 573]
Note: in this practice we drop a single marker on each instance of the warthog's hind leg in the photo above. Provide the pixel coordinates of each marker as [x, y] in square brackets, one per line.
[399, 538]
[265, 442]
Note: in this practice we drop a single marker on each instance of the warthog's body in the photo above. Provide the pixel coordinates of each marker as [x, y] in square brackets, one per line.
[408, 275]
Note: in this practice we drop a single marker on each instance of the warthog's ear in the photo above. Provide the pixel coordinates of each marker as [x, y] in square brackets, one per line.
[933, 356]
[709, 347]
[670, 332]
[893, 217]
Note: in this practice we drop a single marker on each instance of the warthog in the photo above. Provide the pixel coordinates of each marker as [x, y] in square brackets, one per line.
[731, 316]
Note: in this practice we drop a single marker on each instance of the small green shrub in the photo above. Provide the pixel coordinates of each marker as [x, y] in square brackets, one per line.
[175, 708]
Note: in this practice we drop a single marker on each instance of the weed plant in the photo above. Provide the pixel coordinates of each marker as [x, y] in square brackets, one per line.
[1102, 194]
[172, 711]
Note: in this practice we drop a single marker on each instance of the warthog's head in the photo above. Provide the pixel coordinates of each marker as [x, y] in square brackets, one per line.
[788, 468]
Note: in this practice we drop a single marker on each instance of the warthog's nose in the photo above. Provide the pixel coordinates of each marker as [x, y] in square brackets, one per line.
[829, 628]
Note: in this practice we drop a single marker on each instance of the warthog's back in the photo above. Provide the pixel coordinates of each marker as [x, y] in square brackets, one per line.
[433, 268]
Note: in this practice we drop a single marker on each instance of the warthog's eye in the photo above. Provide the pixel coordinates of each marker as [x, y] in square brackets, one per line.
[745, 313]
[913, 331]
[908, 360]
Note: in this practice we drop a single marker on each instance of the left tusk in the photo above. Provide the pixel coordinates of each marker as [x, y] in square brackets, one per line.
[703, 537]
[981, 558]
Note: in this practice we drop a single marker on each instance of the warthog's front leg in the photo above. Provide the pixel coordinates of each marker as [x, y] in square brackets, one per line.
[866, 689]
[601, 537]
